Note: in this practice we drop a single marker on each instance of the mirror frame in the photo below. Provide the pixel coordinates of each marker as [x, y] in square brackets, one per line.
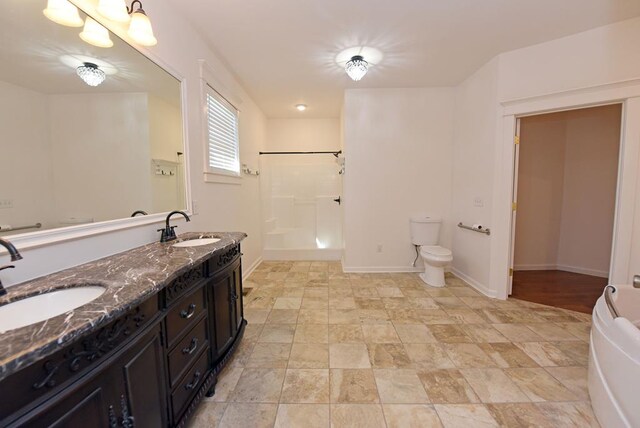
[51, 236]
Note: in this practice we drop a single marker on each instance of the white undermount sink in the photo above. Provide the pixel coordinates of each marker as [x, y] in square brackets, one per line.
[31, 310]
[196, 242]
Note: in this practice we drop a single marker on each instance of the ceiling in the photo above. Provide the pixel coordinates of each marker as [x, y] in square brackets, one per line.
[283, 52]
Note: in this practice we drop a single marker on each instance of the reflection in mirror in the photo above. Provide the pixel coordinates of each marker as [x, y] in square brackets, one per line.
[87, 133]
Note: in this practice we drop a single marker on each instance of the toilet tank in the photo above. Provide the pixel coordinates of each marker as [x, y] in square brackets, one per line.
[425, 230]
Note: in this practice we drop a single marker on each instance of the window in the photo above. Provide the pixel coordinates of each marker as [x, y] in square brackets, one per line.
[222, 135]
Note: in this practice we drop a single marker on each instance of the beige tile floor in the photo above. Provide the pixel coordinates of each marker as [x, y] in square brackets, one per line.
[324, 348]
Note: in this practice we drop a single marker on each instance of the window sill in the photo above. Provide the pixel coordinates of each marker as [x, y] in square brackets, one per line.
[213, 177]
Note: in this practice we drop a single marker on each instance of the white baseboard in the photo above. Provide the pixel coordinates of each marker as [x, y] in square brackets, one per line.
[248, 271]
[326, 254]
[475, 284]
[550, 266]
[379, 269]
[584, 271]
[574, 269]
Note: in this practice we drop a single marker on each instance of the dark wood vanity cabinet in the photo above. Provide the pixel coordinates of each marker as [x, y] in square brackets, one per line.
[148, 368]
[128, 386]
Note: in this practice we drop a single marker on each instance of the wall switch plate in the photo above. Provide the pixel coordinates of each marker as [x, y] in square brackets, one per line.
[194, 207]
[6, 203]
[478, 202]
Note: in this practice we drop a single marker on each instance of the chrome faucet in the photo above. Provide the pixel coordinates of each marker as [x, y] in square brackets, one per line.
[15, 256]
[636, 281]
[168, 234]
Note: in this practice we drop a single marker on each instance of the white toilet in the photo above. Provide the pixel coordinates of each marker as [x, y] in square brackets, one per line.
[424, 232]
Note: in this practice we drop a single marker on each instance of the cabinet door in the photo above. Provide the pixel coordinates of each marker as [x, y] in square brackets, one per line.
[87, 403]
[143, 371]
[222, 318]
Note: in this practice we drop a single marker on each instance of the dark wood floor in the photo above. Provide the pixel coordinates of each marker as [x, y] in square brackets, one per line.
[558, 288]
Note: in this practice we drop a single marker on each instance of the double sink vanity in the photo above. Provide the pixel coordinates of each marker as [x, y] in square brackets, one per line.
[131, 340]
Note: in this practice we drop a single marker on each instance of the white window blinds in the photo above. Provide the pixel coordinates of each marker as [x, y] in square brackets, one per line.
[222, 135]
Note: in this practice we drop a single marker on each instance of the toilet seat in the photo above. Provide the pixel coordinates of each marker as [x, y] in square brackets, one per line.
[435, 251]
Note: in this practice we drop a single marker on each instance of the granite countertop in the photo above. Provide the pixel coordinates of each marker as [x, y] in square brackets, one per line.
[129, 277]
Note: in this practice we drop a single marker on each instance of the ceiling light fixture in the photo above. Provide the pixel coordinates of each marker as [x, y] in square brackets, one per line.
[356, 67]
[140, 27]
[62, 12]
[115, 10]
[301, 107]
[91, 74]
[95, 34]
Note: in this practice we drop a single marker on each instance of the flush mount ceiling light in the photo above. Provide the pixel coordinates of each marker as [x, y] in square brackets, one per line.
[357, 60]
[62, 12]
[356, 67]
[91, 74]
[301, 107]
[95, 34]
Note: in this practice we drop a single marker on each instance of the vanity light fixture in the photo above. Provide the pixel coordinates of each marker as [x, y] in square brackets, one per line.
[91, 74]
[140, 27]
[139, 24]
[95, 34]
[63, 12]
[356, 67]
[301, 107]
[115, 10]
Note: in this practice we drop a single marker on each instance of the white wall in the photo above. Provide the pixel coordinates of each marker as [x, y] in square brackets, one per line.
[541, 174]
[596, 57]
[25, 167]
[589, 195]
[221, 207]
[398, 150]
[106, 142]
[475, 131]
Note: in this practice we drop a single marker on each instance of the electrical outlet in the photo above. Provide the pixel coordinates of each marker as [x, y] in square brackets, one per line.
[194, 207]
[379, 248]
[478, 202]
[6, 203]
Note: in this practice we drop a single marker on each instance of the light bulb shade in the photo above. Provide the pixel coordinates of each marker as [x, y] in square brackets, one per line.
[356, 67]
[140, 29]
[62, 12]
[115, 10]
[95, 34]
[91, 74]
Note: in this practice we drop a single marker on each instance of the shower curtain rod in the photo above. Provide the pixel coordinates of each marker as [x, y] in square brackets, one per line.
[301, 153]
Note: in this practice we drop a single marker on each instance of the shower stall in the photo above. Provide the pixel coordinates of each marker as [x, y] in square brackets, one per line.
[301, 197]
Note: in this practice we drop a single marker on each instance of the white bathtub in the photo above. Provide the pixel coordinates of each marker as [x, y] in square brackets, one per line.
[614, 359]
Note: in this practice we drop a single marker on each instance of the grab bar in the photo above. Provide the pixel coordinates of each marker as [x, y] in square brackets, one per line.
[33, 226]
[464, 226]
[608, 293]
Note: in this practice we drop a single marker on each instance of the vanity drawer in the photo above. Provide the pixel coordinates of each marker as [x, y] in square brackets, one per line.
[190, 384]
[184, 314]
[185, 352]
[221, 261]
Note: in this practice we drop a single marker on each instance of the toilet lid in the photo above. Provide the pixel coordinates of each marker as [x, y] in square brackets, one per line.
[435, 250]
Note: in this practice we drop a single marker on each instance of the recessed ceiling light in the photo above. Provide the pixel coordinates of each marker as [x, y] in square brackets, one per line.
[301, 107]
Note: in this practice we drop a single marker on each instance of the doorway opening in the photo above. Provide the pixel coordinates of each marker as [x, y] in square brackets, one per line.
[565, 184]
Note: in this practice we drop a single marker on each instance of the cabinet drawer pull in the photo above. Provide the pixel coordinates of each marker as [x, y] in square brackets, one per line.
[191, 349]
[188, 314]
[194, 382]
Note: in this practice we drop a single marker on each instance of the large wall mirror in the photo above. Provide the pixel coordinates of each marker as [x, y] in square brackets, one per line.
[87, 133]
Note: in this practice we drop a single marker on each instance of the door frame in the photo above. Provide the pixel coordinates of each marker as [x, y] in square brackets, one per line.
[626, 93]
